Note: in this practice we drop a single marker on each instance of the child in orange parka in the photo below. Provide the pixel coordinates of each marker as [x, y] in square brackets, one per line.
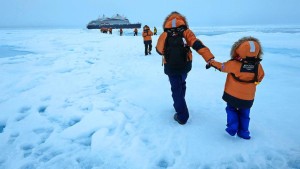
[244, 73]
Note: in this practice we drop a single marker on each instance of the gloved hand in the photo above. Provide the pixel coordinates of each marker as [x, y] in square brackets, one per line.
[208, 65]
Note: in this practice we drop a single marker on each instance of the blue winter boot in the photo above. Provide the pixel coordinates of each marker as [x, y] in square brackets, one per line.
[244, 134]
[230, 131]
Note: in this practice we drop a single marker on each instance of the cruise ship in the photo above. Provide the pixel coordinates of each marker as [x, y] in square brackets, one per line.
[114, 22]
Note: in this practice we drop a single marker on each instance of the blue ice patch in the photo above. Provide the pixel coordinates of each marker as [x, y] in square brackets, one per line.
[2, 126]
[10, 51]
[292, 52]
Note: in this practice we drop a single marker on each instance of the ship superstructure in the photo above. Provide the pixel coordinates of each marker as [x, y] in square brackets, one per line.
[114, 22]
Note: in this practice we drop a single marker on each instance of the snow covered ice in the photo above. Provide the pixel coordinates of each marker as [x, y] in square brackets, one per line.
[76, 98]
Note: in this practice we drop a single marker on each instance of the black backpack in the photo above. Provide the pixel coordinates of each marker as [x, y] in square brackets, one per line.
[176, 49]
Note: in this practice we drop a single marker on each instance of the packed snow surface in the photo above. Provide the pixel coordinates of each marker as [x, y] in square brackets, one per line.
[76, 98]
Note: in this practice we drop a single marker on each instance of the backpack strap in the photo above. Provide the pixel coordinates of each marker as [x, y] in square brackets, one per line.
[176, 30]
[256, 62]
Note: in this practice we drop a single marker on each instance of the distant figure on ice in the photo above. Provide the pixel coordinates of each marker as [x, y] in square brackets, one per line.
[121, 31]
[244, 73]
[110, 30]
[155, 31]
[103, 30]
[135, 32]
[147, 33]
[174, 45]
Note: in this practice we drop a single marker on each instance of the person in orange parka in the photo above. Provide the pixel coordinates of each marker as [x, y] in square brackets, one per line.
[147, 33]
[244, 73]
[177, 77]
[103, 30]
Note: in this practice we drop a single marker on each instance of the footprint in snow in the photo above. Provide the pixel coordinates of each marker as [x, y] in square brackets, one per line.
[73, 121]
[42, 109]
[103, 88]
[163, 164]
[85, 140]
[49, 155]
[12, 138]
[44, 133]
[27, 149]
[89, 62]
[23, 113]
[2, 126]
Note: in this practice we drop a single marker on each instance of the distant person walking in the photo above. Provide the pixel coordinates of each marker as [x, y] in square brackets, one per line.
[135, 32]
[121, 31]
[155, 31]
[103, 30]
[147, 33]
[174, 45]
[110, 30]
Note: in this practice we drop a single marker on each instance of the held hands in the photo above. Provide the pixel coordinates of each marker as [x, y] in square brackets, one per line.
[215, 64]
[207, 66]
[209, 63]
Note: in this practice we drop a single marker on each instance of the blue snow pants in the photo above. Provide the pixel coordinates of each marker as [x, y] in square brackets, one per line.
[238, 121]
[178, 88]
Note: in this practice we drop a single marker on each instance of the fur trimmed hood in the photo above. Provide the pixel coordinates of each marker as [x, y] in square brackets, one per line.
[246, 46]
[146, 27]
[180, 20]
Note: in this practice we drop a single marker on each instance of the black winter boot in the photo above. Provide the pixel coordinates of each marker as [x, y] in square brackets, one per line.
[176, 119]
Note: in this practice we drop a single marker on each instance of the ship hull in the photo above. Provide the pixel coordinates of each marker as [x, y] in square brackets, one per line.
[115, 26]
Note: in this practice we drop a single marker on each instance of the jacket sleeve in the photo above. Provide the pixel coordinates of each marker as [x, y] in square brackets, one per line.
[223, 67]
[144, 34]
[197, 45]
[230, 67]
[161, 43]
[150, 33]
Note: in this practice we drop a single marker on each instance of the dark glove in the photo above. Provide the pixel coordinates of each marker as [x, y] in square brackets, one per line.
[207, 66]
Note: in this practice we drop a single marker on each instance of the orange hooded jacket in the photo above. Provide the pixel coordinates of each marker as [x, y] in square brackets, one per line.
[237, 93]
[175, 19]
[147, 33]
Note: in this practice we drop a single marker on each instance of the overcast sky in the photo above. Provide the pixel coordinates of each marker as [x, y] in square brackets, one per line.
[77, 13]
